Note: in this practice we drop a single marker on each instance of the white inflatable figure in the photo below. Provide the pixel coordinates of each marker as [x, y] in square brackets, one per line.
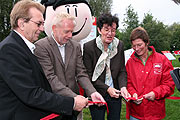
[80, 9]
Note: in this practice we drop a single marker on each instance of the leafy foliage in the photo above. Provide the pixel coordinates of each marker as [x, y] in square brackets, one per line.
[175, 36]
[129, 22]
[131, 19]
[158, 33]
[100, 6]
[162, 37]
[5, 9]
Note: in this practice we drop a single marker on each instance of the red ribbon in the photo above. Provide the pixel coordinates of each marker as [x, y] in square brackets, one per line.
[51, 116]
[173, 98]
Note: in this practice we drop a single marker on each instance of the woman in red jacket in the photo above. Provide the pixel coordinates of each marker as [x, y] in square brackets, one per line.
[149, 79]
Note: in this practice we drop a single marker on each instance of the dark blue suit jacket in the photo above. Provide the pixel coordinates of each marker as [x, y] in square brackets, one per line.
[25, 93]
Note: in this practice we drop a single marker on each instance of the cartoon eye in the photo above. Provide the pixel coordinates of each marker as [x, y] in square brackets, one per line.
[68, 8]
[75, 9]
[76, 12]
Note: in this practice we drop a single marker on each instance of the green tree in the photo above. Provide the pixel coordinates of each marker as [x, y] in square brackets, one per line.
[100, 6]
[131, 19]
[129, 22]
[5, 10]
[158, 33]
[175, 36]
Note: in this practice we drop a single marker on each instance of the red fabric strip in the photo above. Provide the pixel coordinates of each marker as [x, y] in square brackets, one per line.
[173, 98]
[51, 116]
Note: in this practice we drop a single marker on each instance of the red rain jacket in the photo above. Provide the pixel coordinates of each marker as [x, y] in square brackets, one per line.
[154, 76]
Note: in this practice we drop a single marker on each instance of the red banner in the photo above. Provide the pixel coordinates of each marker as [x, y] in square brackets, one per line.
[177, 52]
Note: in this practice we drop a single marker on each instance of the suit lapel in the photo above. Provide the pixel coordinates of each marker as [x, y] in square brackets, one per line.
[68, 53]
[56, 51]
[21, 42]
[98, 51]
[28, 51]
[37, 63]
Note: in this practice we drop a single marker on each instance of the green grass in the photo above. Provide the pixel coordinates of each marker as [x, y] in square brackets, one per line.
[176, 62]
[86, 114]
[172, 106]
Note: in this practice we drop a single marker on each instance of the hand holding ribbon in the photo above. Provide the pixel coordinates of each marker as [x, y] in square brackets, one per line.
[150, 96]
[96, 97]
[125, 93]
[138, 100]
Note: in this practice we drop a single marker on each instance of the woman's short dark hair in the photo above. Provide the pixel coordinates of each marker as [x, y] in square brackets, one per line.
[108, 19]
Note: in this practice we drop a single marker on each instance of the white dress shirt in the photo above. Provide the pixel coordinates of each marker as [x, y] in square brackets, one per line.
[61, 48]
[30, 45]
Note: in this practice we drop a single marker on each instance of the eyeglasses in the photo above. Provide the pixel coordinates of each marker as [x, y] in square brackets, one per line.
[38, 23]
[109, 30]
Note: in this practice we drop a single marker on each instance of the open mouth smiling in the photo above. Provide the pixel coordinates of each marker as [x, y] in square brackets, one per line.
[75, 33]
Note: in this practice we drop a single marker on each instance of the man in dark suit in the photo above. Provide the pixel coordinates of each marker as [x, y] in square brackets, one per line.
[61, 60]
[25, 91]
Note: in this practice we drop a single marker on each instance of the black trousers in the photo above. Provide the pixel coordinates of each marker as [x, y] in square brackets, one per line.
[114, 106]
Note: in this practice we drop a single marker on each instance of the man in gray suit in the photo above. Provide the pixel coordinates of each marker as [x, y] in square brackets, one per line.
[61, 60]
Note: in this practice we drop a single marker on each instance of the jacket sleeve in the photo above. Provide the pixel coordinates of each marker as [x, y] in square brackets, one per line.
[17, 71]
[47, 65]
[166, 88]
[82, 75]
[130, 87]
[122, 76]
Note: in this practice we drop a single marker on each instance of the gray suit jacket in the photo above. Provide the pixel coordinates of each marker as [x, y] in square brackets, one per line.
[63, 77]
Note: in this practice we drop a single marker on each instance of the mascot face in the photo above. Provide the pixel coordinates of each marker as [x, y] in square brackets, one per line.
[80, 11]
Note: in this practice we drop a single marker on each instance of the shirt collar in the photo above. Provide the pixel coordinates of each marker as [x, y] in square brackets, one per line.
[30, 45]
[56, 41]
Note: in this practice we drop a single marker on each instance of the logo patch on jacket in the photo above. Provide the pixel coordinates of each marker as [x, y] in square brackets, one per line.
[157, 68]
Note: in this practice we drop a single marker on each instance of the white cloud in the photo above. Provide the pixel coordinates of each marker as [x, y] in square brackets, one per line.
[165, 11]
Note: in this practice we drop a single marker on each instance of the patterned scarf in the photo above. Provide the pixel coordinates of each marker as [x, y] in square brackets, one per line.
[104, 60]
